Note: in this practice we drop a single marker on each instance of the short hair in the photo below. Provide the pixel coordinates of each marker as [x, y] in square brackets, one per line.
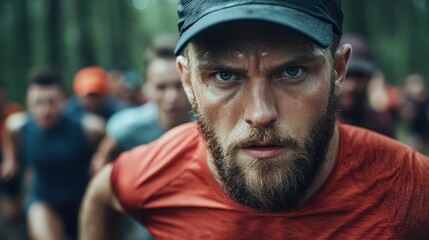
[45, 77]
[162, 47]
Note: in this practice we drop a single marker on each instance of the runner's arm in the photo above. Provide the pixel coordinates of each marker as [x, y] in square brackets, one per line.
[100, 210]
[103, 155]
[10, 145]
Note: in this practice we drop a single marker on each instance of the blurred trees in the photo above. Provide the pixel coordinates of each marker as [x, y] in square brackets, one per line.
[71, 34]
[397, 32]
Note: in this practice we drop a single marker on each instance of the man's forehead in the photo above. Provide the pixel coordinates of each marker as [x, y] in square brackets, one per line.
[42, 92]
[159, 65]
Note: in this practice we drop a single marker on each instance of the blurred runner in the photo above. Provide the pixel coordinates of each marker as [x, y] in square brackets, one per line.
[354, 107]
[168, 106]
[56, 149]
[415, 112]
[11, 187]
[90, 87]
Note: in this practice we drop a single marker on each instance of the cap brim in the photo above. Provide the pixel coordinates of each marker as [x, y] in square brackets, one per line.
[317, 30]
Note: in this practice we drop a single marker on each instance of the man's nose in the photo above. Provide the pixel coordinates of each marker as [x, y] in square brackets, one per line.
[260, 105]
[45, 108]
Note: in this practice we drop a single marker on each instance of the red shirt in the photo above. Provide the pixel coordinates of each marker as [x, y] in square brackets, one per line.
[378, 189]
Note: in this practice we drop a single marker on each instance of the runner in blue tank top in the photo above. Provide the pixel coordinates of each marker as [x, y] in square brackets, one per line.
[56, 149]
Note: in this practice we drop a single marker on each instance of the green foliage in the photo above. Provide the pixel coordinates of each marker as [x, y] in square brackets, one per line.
[71, 34]
[397, 32]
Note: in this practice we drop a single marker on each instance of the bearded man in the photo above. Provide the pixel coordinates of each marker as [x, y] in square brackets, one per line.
[266, 158]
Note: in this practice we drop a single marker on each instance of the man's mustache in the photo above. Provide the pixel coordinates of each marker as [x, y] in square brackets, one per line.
[265, 137]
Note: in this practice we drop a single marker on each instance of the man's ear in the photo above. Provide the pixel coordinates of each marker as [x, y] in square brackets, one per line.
[342, 57]
[182, 67]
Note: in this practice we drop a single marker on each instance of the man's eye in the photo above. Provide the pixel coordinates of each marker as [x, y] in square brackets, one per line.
[224, 76]
[161, 87]
[292, 72]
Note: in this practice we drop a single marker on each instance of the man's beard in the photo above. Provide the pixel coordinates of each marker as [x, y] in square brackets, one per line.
[271, 184]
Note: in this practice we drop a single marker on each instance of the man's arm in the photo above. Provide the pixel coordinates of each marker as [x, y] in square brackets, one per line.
[10, 145]
[94, 128]
[100, 210]
[103, 155]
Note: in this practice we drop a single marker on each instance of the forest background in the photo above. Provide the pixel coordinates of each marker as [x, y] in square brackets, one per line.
[71, 34]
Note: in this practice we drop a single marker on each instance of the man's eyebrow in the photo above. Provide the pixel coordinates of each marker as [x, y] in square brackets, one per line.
[301, 59]
[217, 66]
[209, 63]
[212, 61]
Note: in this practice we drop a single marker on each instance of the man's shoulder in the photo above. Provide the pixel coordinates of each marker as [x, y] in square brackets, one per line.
[178, 143]
[182, 131]
[361, 140]
[132, 117]
[183, 138]
[147, 109]
[146, 169]
[375, 150]
[389, 168]
[370, 157]
[390, 174]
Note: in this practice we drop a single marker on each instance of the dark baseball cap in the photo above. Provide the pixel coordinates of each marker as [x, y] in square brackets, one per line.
[316, 19]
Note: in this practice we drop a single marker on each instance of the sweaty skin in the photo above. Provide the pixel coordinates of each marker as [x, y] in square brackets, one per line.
[262, 97]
